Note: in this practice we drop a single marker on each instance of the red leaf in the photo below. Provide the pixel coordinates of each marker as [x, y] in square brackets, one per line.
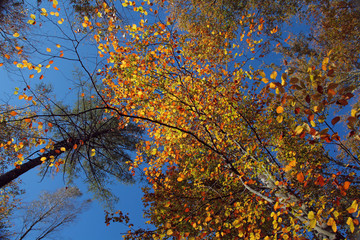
[320, 181]
[335, 120]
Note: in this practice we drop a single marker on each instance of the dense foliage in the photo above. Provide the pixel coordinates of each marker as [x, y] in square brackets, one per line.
[253, 129]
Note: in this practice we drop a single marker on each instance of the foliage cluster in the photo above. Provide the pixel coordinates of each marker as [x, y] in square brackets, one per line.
[237, 148]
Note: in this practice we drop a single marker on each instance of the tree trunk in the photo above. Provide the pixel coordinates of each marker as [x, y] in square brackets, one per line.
[23, 168]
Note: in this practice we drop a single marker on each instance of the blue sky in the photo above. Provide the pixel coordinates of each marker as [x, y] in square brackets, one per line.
[90, 224]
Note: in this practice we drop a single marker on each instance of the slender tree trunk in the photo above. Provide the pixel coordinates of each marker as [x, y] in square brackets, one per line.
[23, 168]
[68, 144]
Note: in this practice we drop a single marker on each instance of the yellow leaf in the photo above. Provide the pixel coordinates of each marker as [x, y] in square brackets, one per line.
[279, 118]
[330, 221]
[62, 149]
[33, 16]
[236, 223]
[92, 152]
[153, 151]
[313, 223]
[262, 74]
[353, 208]
[265, 80]
[273, 75]
[58, 45]
[298, 130]
[180, 179]
[283, 79]
[169, 232]
[272, 85]
[353, 112]
[16, 34]
[333, 226]
[311, 215]
[43, 159]
[325, 61]
[48, 49]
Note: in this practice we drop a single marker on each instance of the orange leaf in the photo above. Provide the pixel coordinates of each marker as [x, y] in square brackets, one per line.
[347, 185]
[13, 113]
[279, 109]
[56, 68]
[41, 77]
[75, 146]
[31, 76]
[300, 177]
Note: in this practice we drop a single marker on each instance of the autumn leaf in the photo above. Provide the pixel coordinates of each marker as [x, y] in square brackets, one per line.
[300, 177]
[290, 166]
[273, 75]
[92, 152]
[353, 208]
[346, 185]
[335, 120]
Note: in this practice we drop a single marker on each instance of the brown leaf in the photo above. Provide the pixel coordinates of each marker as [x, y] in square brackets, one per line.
[335, 120]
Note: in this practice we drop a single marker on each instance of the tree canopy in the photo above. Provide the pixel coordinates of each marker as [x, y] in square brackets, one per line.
[251, 110]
